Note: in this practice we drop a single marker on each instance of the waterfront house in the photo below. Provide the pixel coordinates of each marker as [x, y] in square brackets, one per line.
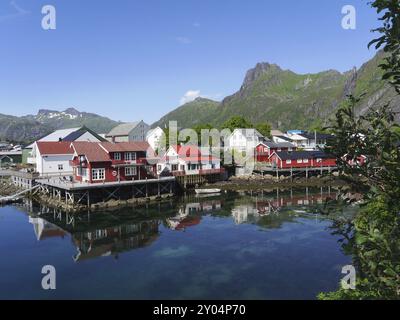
[188, 160]
[53, 158]
[11, 157]
[128, 132]
[315, 140]
[65, 135]
[242, 140]
[154, 138]
[265, 149]
[302, 159]
[111, 162]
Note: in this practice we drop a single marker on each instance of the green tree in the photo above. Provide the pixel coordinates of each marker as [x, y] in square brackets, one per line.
[374, 236]
[237, 122]
[389, 39]
[264, 129]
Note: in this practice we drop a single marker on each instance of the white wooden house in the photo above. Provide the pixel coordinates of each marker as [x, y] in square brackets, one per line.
[188, 160]
[154, 138]
[53, 158]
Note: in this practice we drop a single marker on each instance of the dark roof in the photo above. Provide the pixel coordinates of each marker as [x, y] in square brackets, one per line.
[302, 155]
[78, 133]
[320, 136]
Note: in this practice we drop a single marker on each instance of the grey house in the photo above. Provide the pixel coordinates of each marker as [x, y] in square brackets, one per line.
[126, 132]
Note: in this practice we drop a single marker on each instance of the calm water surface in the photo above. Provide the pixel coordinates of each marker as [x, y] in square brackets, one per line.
[274, 245]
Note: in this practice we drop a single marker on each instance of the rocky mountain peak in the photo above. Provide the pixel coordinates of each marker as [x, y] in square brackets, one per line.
[260, 69]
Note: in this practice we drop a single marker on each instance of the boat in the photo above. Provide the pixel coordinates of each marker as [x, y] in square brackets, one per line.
[207, 191]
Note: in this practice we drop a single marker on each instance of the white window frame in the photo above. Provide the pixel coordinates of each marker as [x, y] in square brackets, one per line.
[60, 167]
[288, 161]
[117, 156]
[98, 174]
[130, 156]
[305, 160]
[130, 171]
[299, 160]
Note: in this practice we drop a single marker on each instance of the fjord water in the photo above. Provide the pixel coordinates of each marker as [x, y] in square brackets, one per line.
[270, 245]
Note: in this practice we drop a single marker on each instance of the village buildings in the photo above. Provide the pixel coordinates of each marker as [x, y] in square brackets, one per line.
[127, 132]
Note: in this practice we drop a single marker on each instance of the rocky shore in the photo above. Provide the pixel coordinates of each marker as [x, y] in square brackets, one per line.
[7, 188]
[258, 182]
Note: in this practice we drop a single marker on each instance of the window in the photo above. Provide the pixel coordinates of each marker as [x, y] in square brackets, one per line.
[289, 161]
[98, 174]
[117, 156]
[174, 167]
[130, 171]
[300, 161]
[305, 160]
[159, 167]
[60, 167]
[319, 160]
[130, 156]
[82, 172]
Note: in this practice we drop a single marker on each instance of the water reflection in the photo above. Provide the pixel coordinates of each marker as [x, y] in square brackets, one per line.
[109, 234]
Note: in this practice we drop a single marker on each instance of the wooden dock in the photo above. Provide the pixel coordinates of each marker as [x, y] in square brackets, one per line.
[85, 194]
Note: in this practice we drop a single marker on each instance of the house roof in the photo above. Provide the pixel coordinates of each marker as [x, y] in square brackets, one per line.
[124, 129]
[277, 145]
[276, 133]
[91, 150]
[321, 136]
[284, 138]
[55, 136]
[54, 147]
[294, 155]
[133, 146]
[81, 131]
[192, 153]
[250, 132]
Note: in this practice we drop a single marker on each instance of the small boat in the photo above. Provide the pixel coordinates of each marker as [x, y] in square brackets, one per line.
[207, 191]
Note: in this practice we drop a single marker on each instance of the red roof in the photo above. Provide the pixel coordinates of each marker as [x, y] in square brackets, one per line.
[191, 153]
[91, 150]
[54, 148]
[126, 146]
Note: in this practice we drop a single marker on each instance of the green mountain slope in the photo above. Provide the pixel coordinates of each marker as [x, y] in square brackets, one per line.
[190, 114]
[288, 100]
[29, 128]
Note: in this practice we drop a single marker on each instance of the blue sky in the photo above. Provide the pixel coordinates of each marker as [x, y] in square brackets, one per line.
[130, 60]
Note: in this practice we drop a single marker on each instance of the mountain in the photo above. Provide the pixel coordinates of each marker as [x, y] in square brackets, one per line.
[290, 100]
[196, 112]
[31, 127]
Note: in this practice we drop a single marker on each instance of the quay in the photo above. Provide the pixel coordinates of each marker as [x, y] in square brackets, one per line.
[275, 171]
[72, 194]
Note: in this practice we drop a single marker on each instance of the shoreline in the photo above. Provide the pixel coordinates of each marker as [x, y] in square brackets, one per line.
[258, 183]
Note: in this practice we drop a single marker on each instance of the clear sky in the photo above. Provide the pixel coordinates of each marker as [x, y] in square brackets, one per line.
[131, 60]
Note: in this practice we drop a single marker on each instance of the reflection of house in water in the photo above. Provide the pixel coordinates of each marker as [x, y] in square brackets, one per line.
[267, 204]
[114, 240]
[44, 229]
[244, 213]
[184, 219]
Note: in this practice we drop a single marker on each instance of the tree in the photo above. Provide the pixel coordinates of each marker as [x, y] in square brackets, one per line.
[390, 39]
[237, 122]
[264, 129]
[374, 238]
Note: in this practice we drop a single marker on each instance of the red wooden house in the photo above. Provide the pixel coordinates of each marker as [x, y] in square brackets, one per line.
[302, 159]
[265, 149]
[111, 162]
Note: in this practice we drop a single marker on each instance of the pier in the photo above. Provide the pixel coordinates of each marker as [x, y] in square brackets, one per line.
[292, 172]
[72, 194]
